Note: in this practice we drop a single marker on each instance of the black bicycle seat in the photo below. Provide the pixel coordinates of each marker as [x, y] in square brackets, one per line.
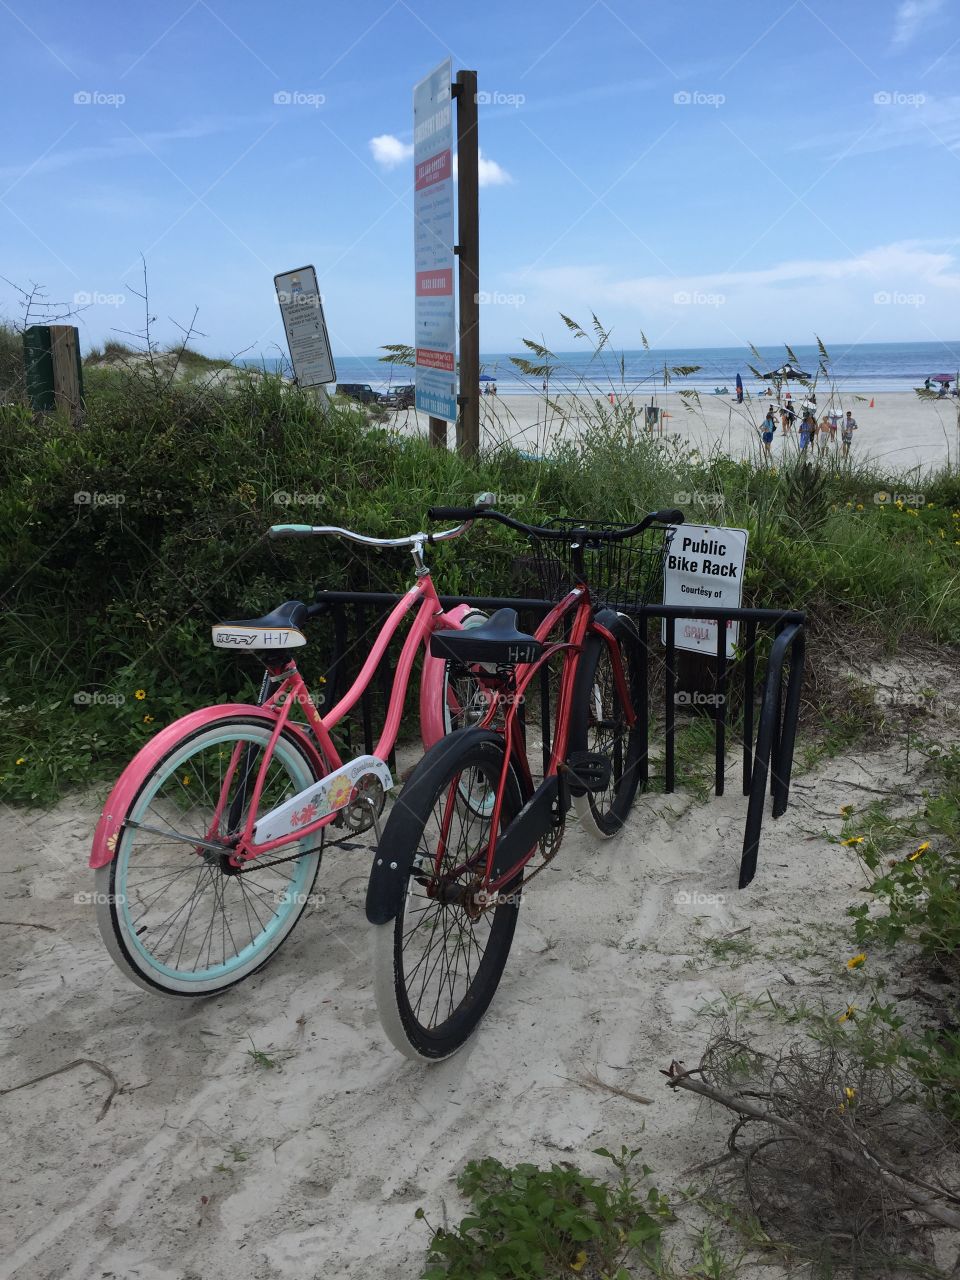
[498, 640]
[279, 629]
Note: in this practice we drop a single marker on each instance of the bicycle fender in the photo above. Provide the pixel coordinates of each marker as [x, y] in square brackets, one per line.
[151, 753]
[605, 618]
[432, 727]
[398, 844]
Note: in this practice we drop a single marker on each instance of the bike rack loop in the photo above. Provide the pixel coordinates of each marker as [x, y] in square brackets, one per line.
[771, 755]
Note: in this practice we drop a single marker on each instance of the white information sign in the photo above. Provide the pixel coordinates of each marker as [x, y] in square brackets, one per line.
[704, 566]
[305, 327]
[435, 314]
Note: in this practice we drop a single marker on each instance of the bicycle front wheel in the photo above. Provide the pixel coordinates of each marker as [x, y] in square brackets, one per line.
[598, 724]
[439, 962]
[174, 915]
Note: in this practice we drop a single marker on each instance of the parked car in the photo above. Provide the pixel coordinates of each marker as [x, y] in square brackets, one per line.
[401, 397]
[361, 391]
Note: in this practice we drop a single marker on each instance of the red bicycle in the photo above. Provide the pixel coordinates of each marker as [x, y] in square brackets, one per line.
[459, 845]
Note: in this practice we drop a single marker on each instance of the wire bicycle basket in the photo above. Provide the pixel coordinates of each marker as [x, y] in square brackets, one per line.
[621, 575]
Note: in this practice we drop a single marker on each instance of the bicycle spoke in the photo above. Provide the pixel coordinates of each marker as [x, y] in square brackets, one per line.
[183, 908]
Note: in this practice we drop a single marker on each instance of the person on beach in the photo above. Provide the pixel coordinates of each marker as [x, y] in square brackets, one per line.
[846, 433]
[766, 431]
[805, 433]
[828, 432]
[811, 420]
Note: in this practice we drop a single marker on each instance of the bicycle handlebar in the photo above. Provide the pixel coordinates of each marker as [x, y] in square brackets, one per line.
[412, 540]
[667, 516]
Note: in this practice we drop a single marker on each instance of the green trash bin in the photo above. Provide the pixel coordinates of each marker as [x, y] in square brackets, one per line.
[39, 368]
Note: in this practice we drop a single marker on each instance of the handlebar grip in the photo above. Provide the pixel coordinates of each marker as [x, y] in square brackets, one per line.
[668, 516]
[290, 531]
[453, 513]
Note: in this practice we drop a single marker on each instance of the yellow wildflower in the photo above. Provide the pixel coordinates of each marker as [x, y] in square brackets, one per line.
[852, 840]
[22, 760]
[140, 694]
[857, 961]
[850, 1093]
[918, 851]
[848, 1014]
[148, 719]
[579, 1261]
[859, 506]
[186, 779]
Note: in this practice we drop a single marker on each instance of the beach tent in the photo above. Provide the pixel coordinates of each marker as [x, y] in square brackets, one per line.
[785, 373]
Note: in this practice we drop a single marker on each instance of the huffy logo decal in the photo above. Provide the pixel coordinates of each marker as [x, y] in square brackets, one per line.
[232, 637]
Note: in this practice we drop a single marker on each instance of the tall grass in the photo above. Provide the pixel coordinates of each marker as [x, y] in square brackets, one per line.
[123, 541]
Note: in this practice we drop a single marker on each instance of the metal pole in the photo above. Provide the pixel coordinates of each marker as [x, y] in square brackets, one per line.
[468, 251]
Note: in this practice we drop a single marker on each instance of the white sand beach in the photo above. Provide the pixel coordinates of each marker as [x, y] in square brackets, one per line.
[210, 1166]
[900, 432]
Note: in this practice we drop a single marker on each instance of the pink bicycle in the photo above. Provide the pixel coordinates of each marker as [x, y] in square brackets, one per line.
[208, 847]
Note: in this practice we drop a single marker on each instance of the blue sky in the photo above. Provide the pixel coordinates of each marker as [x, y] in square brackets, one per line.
[710, 174]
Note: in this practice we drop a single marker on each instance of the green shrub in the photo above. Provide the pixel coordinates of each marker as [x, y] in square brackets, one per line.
[527, 1222]
[123, 540]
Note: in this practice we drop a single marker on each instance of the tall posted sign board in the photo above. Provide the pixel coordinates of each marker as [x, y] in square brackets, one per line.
[435, 319]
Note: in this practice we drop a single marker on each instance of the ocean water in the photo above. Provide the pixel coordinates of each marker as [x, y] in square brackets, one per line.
[863, 367]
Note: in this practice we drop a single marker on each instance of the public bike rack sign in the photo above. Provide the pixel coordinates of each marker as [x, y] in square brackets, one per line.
[704, 566]
[435, 318]
[302, 309]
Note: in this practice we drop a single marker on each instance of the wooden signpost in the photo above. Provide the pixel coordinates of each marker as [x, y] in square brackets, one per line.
[437, 324]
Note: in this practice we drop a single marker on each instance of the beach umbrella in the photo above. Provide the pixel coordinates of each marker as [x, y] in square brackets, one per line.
[739, 389]
[941, 377]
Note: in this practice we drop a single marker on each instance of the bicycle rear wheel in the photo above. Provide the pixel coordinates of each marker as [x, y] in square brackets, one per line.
[437, 965]
[173, 914]
[598, 724]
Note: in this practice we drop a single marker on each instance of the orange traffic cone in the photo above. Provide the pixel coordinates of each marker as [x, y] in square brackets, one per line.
[870, 405]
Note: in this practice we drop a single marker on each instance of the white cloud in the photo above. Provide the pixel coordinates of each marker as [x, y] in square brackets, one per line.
[389, 152]
[911, 17]
[886, 263]
[491, 174]
[795, 296]
[117, 148]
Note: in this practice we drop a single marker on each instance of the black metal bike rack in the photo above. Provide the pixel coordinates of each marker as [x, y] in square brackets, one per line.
[767, 735]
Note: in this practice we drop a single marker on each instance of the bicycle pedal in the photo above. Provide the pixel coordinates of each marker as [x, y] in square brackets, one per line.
[588, 771]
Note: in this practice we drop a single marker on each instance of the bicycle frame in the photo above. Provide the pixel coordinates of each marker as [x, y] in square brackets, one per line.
[293, 690]
[577, 602]
[275, 715]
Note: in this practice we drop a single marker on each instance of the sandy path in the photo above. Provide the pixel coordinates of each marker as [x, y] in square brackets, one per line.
[316, 1168]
